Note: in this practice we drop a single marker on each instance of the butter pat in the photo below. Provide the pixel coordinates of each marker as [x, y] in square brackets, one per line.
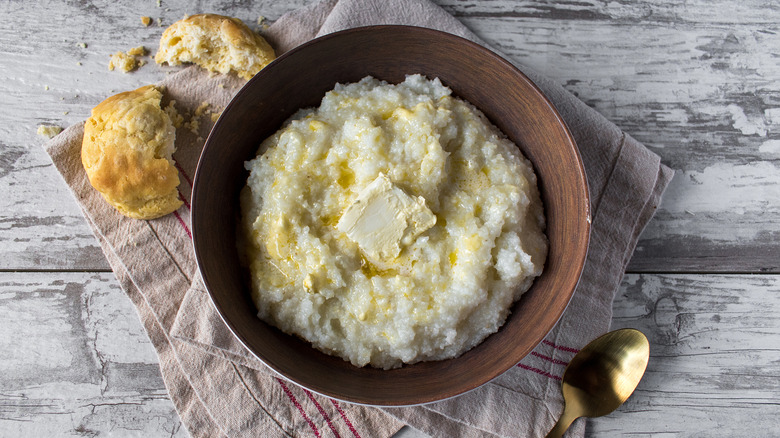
[383, 219]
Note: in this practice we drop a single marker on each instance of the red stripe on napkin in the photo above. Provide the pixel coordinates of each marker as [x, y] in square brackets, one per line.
[186, 204]
[560, 347]
[549, 359]
[538, 371]
[346, 420]
[322, 412]
[294, 400]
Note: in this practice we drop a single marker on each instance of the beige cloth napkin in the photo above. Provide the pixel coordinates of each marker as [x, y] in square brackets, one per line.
[220, 389]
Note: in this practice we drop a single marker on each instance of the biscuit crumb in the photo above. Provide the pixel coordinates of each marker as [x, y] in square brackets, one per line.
[138, 51]
[122, 61]
[146, 20]
[159, 3]
[193, 125]
[159, 22]
[46, 87]
[201, 109]
[261, 21]
[127, 61]
[78, 63]
[215, 116]
[83, 45]
[48, 131]
[176, 118]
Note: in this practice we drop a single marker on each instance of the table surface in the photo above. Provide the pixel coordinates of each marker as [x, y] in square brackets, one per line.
[696, 81]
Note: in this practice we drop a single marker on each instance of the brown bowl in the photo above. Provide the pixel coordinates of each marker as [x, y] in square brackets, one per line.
[300, 78]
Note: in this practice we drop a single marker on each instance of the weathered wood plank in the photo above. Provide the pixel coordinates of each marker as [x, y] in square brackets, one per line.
[715, 359]
[702, 97]
[76, 360]
[695, 81]
[702, 94]
[717, 12]
[49, 78]
[41, 226]
[79, 361]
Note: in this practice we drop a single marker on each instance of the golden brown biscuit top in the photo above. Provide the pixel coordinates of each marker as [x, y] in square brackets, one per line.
[127, 153]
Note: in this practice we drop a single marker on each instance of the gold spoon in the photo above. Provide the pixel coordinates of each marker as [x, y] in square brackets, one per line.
[601, 376]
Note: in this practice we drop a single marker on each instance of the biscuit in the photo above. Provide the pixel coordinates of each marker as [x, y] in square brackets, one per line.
[127, 153]
[217, 43]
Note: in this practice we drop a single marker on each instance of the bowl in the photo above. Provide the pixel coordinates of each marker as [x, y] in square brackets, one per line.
[300, 78]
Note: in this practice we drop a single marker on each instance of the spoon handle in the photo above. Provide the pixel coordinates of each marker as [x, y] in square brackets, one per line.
[563, 423]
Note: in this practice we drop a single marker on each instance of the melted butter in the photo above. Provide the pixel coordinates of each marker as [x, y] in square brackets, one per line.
[371, 270]
[384, 219]
[346, 176]
[316, 125]
[470, 179]
[473, 243]
[277, 240]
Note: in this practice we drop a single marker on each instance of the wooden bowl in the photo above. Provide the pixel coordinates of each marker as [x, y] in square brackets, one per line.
[300, 78]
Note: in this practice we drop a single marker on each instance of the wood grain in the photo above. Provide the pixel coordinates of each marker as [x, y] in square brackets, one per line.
[88, 368]
[704, 100]
[701, 93]
[76, 360]
[696, 81]
[714, 356]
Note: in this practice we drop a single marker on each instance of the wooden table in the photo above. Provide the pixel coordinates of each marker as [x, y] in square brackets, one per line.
[697, 82]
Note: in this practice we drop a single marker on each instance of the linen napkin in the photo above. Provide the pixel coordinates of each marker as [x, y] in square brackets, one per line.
[220, 389]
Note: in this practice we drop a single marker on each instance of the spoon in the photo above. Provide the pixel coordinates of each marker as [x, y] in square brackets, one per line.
[601, 376]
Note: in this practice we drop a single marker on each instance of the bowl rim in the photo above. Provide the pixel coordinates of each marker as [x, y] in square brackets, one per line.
[579, 259]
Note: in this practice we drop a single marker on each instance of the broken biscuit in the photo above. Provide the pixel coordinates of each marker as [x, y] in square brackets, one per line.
[217, 43]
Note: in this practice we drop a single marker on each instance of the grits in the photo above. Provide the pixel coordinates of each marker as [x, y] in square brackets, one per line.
[460, 222]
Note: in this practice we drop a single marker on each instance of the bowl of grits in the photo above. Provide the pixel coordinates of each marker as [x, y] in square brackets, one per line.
[390, 215]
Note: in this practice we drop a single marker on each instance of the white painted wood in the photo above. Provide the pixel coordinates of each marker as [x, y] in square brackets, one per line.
[715, 356]
[705, 98]
[696, 84]
[696, 81]
[76, 360]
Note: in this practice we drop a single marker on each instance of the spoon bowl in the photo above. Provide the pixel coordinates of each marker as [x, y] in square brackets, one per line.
[602, 376]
